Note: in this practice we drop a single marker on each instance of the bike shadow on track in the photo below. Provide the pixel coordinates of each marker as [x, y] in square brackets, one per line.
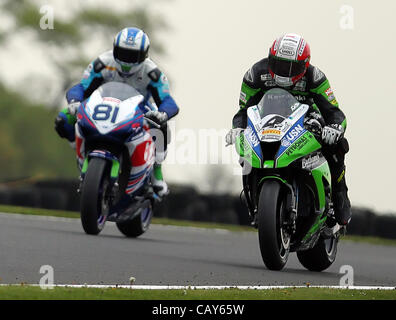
[287, 270]
[105, 235]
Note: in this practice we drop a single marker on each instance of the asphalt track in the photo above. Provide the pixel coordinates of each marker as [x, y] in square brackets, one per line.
[167, 255]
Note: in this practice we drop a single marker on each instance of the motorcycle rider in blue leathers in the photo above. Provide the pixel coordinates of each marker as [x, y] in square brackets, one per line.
[129, 63]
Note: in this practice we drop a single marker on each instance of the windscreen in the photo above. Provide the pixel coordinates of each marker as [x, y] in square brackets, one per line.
[277, 101]
[117, 90]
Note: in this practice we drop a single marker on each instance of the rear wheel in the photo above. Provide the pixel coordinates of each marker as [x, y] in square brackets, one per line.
[274, 240]
[138, 225]
[94, 197]
[321, 256]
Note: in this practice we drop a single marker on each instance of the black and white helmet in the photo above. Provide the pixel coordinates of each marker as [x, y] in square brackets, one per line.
[130, 49]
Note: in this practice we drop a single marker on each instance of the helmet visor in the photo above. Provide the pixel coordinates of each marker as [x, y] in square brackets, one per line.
[128, 56]
[285, 68]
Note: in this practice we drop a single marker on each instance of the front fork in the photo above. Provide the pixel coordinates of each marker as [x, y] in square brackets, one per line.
[114, 171]
[251, 190]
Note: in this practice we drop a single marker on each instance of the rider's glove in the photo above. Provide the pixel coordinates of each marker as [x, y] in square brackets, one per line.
[332, 133]
[60, 127]
[157, 116]
[73, 107]
[232, 135]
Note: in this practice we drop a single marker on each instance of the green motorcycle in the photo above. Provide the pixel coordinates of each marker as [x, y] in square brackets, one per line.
[287, 182]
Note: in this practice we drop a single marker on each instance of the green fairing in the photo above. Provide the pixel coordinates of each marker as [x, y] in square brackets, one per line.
[318, 173]
[344, 124]
[319, 221]
[323, 171]
[309, 145]
[273, 178]
[269, 164]
[244, 149]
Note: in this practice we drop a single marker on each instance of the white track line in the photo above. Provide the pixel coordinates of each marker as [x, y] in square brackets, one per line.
[174, 287]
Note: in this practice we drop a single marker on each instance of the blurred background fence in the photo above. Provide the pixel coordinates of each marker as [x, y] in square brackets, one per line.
[183, 203]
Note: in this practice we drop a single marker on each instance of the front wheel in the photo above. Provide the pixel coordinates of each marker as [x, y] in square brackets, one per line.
[94, 197]
[138, 225]
[321, 256]
[274, 240]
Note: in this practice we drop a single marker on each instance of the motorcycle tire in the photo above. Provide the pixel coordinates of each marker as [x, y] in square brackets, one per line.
[321, 256]
[273, 241]
[94, 205]
[137, 226]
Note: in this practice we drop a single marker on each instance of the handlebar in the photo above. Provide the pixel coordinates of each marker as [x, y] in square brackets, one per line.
[155, 124]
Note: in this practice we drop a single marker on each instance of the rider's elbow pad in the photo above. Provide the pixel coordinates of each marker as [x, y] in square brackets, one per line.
[169, 106]
[75, 93]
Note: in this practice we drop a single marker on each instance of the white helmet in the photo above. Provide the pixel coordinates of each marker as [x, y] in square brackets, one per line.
[130, 49]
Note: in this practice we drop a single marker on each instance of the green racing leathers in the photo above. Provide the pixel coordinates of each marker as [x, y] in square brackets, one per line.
[313, 89]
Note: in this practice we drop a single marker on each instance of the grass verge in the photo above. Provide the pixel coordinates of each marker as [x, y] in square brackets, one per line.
[25, 292]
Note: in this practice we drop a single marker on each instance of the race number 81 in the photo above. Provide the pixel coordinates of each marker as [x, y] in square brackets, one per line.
[103, 112]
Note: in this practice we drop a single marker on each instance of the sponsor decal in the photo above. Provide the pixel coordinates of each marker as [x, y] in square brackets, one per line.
[295, 106]
[294, 133]
[111, 99]
[285, 143]
[301, 51]
[270, 83]
[242, 97]
[265, 77]
[130, 40]
[251, 136]
[271, 131]
[300, 98]
[287, 51]
[290, 40]
[310, 162]
[330, 94]
[298, 145]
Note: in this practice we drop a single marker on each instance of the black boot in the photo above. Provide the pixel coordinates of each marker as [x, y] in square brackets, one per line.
[341, 203]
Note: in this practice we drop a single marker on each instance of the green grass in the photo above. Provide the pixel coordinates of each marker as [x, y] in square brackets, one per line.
[25, 292]
[182, 223]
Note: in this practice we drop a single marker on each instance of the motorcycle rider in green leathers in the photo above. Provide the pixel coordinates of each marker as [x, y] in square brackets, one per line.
[288, 67]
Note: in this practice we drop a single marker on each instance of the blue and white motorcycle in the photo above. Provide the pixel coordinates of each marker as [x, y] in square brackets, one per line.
[115, 152]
